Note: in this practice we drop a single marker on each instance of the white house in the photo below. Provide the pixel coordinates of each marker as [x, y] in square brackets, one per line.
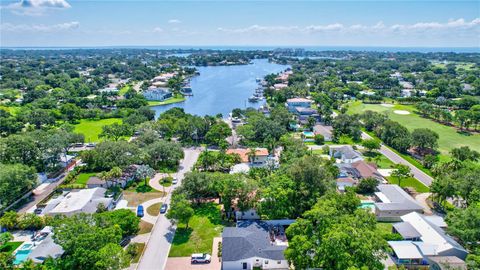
[345, 153]
[424, 243]
[81, 201]
[293, 103]
[254, 244]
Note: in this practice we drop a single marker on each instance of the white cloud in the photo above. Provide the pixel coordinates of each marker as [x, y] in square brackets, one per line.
[157, 30]
[44, 4]
[36, 7]
[174, 21]
[39, 27]
[451, 25]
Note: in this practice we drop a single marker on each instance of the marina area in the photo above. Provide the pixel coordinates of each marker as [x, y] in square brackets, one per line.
[220, 89]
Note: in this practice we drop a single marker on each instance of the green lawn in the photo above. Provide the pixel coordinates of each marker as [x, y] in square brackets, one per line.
[166, 182]
[198, 238]
[175, 99]
[449, 137]
[123, 90]
[92, 128]
[385, 227]
[10, 247]
[82, 178]
[380, 160]
[410, 182]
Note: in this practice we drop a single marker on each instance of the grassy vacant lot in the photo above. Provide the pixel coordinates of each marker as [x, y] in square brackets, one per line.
[449, 137]
[409, 182]
[82, 178]
[154, 209]
[135, 198]
[92, 128]
[175, 99]
[9, 247]
[145, 227]
[140, 248]
[198, 237]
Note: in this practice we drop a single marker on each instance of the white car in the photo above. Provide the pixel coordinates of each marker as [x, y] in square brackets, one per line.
[174, 181]
[201, 258]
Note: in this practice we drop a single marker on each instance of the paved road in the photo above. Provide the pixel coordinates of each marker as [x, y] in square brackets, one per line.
[417, 173]
[158, 246]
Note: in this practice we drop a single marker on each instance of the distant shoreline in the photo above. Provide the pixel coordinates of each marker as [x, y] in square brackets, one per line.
[266, 48]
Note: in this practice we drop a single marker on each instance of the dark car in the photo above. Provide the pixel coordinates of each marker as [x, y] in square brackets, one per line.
[140, 211]
[163, 209]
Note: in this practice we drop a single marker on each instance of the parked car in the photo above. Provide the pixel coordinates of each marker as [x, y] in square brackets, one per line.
[174, 181]
[201, 258]
[140, 211]
[163, 209]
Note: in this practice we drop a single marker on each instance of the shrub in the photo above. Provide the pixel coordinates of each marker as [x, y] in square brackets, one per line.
[319, 139]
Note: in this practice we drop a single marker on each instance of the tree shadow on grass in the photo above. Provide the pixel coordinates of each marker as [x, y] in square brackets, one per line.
[464, 132]
[143, 189]
[211, 211]
[182, 235]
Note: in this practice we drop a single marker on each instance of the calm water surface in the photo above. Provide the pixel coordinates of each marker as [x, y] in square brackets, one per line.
[220, 89]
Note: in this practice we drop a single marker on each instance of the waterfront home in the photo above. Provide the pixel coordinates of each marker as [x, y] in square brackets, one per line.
[254, 245]
[80, 201]
[325, 131]
[158, 94]
[293, 103]
[392, 202]
[345, 153]
[279, 86]
[163, 77]
[424, 243]
[302, 111]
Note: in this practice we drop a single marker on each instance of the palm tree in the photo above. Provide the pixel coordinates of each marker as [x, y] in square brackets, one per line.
[252, 153]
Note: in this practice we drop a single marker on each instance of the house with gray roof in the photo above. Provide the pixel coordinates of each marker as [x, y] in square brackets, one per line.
[254, 244]
[392, 202]
[345, 153]
[424, 243]
[47, 248]
[78, 201]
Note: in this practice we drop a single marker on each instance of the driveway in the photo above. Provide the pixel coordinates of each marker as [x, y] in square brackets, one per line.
[158, 245]
[176, 263]
[395, 158]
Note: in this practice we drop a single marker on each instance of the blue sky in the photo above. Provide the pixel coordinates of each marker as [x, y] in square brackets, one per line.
[240, 23]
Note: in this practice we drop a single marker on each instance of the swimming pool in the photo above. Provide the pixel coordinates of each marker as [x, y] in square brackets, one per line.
[368, 204]
[309, 134]
[22, 253]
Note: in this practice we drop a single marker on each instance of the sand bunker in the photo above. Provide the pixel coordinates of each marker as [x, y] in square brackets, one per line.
[401, 112]
[387, 105]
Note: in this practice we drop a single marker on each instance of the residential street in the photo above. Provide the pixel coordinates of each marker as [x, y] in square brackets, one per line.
[417, 173]
[158, 245]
